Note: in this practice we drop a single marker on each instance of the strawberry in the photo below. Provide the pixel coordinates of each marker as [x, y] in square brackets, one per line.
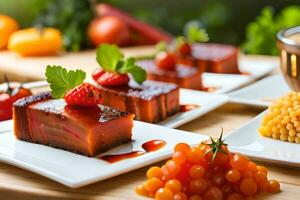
[166, 61]
[184, 49]
[113, 79]
[97, 73]
[83, 95]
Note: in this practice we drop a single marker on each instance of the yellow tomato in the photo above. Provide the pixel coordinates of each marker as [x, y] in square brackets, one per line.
[7, 26]
[35, 42]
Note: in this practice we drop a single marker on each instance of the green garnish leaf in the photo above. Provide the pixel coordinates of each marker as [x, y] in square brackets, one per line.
[108, 57]
[216, 146]
[196, 34]
[161, 46]
[111, 59]
[61, 80]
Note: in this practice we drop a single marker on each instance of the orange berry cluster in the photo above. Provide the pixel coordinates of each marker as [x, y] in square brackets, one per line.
[195, 173]
[282, 121]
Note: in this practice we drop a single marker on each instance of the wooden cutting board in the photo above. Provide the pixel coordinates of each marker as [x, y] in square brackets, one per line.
[27, 69]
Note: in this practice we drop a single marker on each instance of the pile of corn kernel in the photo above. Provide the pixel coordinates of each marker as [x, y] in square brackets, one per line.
[282, 121]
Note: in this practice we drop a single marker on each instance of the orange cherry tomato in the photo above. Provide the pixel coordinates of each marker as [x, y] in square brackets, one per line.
[226, 189]
[153, 184]
[183, 148]
[232, 175]
[141, 190]
[180, 196]
[195, 197]
[218, 179]
[213, 193]
[154, 172]
[262, 169]
[164, 194]
[198, 186]
[235, 196]
[174, 185]
[248, 187]
[109, 29]
[195, 156]
[273, 186]
[260, 179]
[252, 167]
[7, 26]
[196, 171]
[239, 162]
[179, 157]
[173, 167]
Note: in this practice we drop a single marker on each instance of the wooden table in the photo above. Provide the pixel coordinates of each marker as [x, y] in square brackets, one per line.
[18, 184]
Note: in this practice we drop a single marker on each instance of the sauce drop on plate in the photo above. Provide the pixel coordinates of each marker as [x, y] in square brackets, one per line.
[188, 107]
[123, 156]
[153, 145]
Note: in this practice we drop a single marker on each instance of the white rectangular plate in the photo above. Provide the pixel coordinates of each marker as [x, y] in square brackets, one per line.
[74, 170]
[248, 141]
[252, 68]
[261, 93]
[204, 100]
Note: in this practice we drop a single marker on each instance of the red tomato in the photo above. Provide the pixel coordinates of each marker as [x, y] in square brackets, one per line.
[213, 193]
[109, 29]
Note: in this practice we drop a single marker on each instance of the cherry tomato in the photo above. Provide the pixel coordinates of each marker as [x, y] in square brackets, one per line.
[183, 175]
[183, 148]
[252, 167]
[173, 185]
[165, 61]
[221, 159]
[196, 171]
[109, 29]
[164, 194]
[141, 190]
[239, 162]
[180, 196]
[218, 179]
[226, 189]
[213, 193]
[248, 187]
[235, 196]
[195, 156]
[179, 157]
[7, 26]
[154, 172]
[232, 175]
[262, 169]
[198, 186]
[195, 197]
[153, 184]
[260, 179]
[173, 167]
[273, 186]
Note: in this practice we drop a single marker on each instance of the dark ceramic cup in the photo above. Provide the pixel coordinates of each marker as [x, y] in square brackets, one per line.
[288, 43]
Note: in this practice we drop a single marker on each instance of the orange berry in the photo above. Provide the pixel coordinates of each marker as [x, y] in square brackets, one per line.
[183, 148]
[260, 179]
[239, 162]
[173, 167]
[164, 194]
[226, 189]
[273, 186]
[179, 157]
[232, 175]
[213, 193]
[235, 196]
[262, 169]
[248, 187]
[218, 179]
[180, 196]
[195, 156]
[252, 167]
[196, 171]
[154, 172]
[198, 186]
[247, 174]
[195, 197]
[141, 190]
[174, 185]
[153, 184]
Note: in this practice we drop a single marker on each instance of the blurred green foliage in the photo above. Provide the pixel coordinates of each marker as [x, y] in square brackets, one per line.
[224, 20]
[261, 34]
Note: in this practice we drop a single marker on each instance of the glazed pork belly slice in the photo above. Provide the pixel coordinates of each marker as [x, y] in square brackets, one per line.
[150, 102]
[184, 76]
[83, 130]
[216, 58]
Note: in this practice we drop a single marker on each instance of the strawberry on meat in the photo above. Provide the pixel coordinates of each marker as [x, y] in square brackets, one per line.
[83, 95]
[113, 79]
[185, 49]
[97, 73]
[166, 61]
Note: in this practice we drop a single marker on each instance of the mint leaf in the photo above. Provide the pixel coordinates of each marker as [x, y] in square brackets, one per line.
[108, 57]
[138, 73]
[61, 80]
[195, 34]
[111, 59]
